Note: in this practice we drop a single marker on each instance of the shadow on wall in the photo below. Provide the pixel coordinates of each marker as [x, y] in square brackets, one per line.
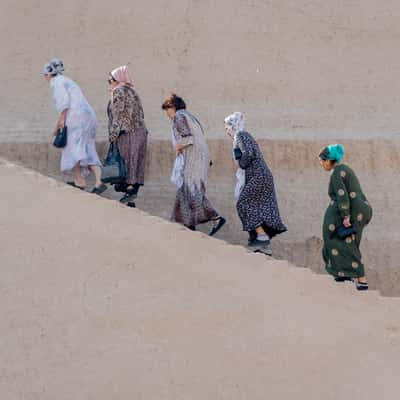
[302, 194]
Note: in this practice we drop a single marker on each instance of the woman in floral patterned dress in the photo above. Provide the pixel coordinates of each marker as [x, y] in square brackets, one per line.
[127, 128]
[348, 207]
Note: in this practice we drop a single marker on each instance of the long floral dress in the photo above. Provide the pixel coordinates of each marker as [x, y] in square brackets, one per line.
[126, 123]
[342, 256]
[80, 122]
[257, 205]
[192, 207]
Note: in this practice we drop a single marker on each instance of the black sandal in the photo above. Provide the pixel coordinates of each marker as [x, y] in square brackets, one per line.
[99, 190]
[220, 222]
[127, 197]
[76, 186]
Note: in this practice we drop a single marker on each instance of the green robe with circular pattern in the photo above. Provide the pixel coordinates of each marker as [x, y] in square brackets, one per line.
[342, 256]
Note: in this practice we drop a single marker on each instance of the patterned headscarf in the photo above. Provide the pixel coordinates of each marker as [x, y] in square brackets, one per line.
[49, 69]
[122, 76]
[333, 152]
[58, 65]
[236, 122]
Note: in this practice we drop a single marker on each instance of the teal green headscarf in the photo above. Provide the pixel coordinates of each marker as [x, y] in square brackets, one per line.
[333, 152]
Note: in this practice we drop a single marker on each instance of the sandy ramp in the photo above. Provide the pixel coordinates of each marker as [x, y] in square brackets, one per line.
[103, 302]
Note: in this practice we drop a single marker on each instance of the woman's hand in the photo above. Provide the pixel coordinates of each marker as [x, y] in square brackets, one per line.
[60, 123]
[61, 119]
[179, 148]
[346, 221]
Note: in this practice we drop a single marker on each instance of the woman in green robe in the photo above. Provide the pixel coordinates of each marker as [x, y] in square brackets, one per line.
[348, 208]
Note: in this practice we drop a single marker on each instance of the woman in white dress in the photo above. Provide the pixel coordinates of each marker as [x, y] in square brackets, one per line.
[79, 156]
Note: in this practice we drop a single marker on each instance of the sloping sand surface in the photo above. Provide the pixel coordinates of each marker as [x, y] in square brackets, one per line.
[99, 301]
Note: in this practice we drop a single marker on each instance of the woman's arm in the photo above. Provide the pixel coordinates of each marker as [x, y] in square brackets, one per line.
[184, 135]
[62, 101]
[246, 154]
[117, 109]
[342, 195]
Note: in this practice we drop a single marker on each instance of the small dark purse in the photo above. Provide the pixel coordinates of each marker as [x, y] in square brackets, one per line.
[60, 140]
[237, 153]
[344, 232]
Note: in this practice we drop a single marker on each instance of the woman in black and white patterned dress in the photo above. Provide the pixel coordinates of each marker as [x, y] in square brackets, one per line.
[256, 205]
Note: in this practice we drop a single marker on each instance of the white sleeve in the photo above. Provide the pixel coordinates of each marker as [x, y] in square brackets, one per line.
[60, 95]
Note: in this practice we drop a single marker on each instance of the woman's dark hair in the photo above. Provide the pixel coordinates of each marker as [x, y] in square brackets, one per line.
[324, 154]
[174, 101]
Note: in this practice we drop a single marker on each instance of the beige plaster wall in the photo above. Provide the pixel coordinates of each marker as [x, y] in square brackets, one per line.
[299, 69]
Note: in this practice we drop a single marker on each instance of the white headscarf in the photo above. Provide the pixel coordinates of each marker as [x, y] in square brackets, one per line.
[58, 65]
[237, 122]
[49, 69]
[54, 67]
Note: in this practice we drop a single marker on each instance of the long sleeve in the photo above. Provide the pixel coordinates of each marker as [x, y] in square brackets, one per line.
[184, 136]
[60, 94]
[246, 147]
[117, 109]
[137, 111]
[338, 187]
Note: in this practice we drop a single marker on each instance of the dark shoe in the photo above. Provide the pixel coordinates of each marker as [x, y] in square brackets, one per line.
[133, 189]
[219, 223]
[127, 197]
[342, 279]
[76, 186]
[120, 187]
[99, 190]
[361, 285]
[266, 251]
[259, 243]
[131, 204]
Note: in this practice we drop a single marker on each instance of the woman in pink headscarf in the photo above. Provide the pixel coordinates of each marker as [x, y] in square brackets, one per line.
[126, 127]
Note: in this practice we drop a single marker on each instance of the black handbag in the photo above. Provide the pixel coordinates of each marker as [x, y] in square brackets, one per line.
[60, 140]
[344, 232]
[114, 168]
[237, 153]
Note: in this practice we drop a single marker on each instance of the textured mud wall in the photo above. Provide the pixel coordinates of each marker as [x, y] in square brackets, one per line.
[297, 68]
[306, 71]
[302, 192]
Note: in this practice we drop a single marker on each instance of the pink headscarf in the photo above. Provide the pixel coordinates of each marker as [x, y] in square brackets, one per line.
[122, 76]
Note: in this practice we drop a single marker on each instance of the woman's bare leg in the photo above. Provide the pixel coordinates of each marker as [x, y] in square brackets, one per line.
[261, 234]
[96, 170]
[260, 230]
[78, 178]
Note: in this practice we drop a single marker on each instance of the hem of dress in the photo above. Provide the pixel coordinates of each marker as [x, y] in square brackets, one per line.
[344, 274]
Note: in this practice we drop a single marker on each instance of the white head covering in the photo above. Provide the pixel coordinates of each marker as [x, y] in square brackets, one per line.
[49, 69]
[58, 65]
[236, 122]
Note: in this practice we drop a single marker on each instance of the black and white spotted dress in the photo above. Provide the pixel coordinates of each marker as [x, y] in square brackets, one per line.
[257, 204]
